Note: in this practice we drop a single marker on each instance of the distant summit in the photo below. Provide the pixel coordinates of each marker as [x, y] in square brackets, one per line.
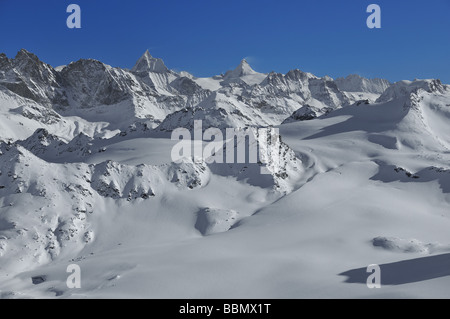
[244, 73]
[147, 63]
[242, 69]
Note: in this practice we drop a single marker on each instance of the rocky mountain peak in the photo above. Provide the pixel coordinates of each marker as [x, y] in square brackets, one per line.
[242, 69]
[147, 63]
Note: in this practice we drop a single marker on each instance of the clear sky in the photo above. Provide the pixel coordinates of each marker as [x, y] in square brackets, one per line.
[209, 37]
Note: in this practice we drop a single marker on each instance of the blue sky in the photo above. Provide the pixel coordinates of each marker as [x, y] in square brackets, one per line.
[325, 37]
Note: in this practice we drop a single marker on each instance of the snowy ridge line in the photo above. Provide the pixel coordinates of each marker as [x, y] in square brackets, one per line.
[94, 95]
[152, 93]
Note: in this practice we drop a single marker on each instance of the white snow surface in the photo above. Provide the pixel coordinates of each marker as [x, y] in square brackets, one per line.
[86, 178]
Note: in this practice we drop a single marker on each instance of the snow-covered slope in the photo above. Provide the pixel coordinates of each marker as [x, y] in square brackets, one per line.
[356, 83]
[402, 88]
[359, 175]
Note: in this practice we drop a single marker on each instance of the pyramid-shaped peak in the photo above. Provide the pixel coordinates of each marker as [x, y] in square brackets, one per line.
[147, 63]
[147, 54]
[26, 55]
[244, 68]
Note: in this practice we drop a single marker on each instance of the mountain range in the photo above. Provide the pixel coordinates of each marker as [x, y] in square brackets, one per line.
[86, 177]
[152, 93]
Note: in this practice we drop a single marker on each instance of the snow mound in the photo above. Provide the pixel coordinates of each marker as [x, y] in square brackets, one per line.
[395, 244]
[306, 113]
[213, 221]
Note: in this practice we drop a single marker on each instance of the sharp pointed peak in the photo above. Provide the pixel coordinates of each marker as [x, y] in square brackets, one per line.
[147, 54]
[26, 54]
[147, 63]
[244, 63]
[24, 51]
[243, 68]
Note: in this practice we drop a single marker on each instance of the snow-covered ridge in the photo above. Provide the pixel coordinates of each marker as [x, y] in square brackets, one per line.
[65, 196]
[356, 83]
[404, 88]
